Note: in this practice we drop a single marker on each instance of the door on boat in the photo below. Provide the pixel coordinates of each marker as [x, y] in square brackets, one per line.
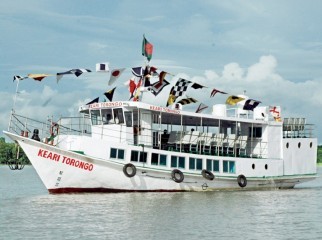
[146, 131]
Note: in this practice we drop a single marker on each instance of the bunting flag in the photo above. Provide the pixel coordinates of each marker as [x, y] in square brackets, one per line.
[186, 101]
[214, 91]
[157, 87]
[93, 101]
[147, 49]
[275, 112]
[138, 71]
[201, 108]
[115, 74]
[17, 77]
[232, 100]
[180, 87]
[171, 99]
[162, 76]
[76, 71]
[38, 77]
[197, 86]
[109, 94]
[250, 104]
[102, 67]
[138, 90]
[132, 87]
[153, 71]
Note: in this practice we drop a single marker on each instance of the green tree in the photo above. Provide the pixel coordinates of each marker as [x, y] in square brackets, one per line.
[8, 151]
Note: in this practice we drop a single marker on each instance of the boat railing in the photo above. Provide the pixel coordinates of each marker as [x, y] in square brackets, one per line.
[26, 126]
[297, 128]
[193, 142]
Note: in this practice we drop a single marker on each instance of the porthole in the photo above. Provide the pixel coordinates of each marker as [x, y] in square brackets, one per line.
[311, 144]
[287, 145]
[299, 145]
[253, 166]
[266, 166]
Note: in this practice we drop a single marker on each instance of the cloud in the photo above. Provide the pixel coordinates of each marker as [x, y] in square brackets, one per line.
[264, 69]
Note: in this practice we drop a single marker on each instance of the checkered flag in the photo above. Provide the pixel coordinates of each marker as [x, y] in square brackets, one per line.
[180, 87]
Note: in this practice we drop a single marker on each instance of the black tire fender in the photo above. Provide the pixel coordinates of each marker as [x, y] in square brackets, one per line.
[241, 180]
[129, 170]
[207, 175]
[177, 175]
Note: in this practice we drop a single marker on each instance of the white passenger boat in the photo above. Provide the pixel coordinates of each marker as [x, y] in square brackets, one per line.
[122, 146]
[125, 146]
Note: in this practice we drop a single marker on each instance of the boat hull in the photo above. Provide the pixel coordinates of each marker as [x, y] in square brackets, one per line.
[64, 171]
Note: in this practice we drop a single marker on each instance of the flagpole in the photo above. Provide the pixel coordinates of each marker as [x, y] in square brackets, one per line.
[14, 105]
[15, 98]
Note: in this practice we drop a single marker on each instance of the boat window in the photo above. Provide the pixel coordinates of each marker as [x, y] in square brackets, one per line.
[229, 167]
[257, 132]
[128, 118]
[117, 153]
[137, 156]
[213, 165]
[155, 117]
[158, 159]
[195, 163]
[96, 117]
[118, 115]
[107, 116]
[177, 162]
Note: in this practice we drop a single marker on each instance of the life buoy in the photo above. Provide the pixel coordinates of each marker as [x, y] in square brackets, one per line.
[207, 175]
[242, 181]
[177, 175]
[129, 170]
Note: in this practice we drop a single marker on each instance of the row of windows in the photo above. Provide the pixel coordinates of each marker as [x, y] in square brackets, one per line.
[176, 161]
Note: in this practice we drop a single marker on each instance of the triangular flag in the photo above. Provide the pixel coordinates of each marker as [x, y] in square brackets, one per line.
[17, 77]
[214, 91]
[201, 107]
[172, 98]
[162, 76]
[115, 74]
[38, 77]
[197, 86]
[138, 71]
[76, 71]
[93, 101]
[109, 94]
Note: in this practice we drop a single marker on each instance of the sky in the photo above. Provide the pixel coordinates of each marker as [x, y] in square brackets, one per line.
[271, 50]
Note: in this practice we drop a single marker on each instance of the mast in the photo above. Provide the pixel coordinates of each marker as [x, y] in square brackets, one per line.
[14, 104]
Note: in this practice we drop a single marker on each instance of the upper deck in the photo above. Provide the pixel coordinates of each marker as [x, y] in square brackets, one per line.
[232, 132]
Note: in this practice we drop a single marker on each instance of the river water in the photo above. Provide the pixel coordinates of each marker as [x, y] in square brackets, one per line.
[28, 211]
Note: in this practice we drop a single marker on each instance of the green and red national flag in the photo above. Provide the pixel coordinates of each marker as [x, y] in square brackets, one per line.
[147, 49]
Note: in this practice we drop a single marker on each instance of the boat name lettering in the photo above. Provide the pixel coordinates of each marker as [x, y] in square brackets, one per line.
[164, 109]
[66, 160]
[105, 104]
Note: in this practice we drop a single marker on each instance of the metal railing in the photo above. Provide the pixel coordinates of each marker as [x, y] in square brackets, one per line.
[25, 126]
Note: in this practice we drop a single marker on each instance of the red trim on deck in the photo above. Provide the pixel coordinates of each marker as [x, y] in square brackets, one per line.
[103, 190]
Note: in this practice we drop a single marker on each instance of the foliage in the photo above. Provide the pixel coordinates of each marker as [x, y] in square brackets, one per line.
[320, 154]
[9, 151]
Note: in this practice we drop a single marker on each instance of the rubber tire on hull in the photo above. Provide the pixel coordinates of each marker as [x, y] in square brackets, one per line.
[207, 175]
[242, 181]
[129, 170]
[177, 175]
